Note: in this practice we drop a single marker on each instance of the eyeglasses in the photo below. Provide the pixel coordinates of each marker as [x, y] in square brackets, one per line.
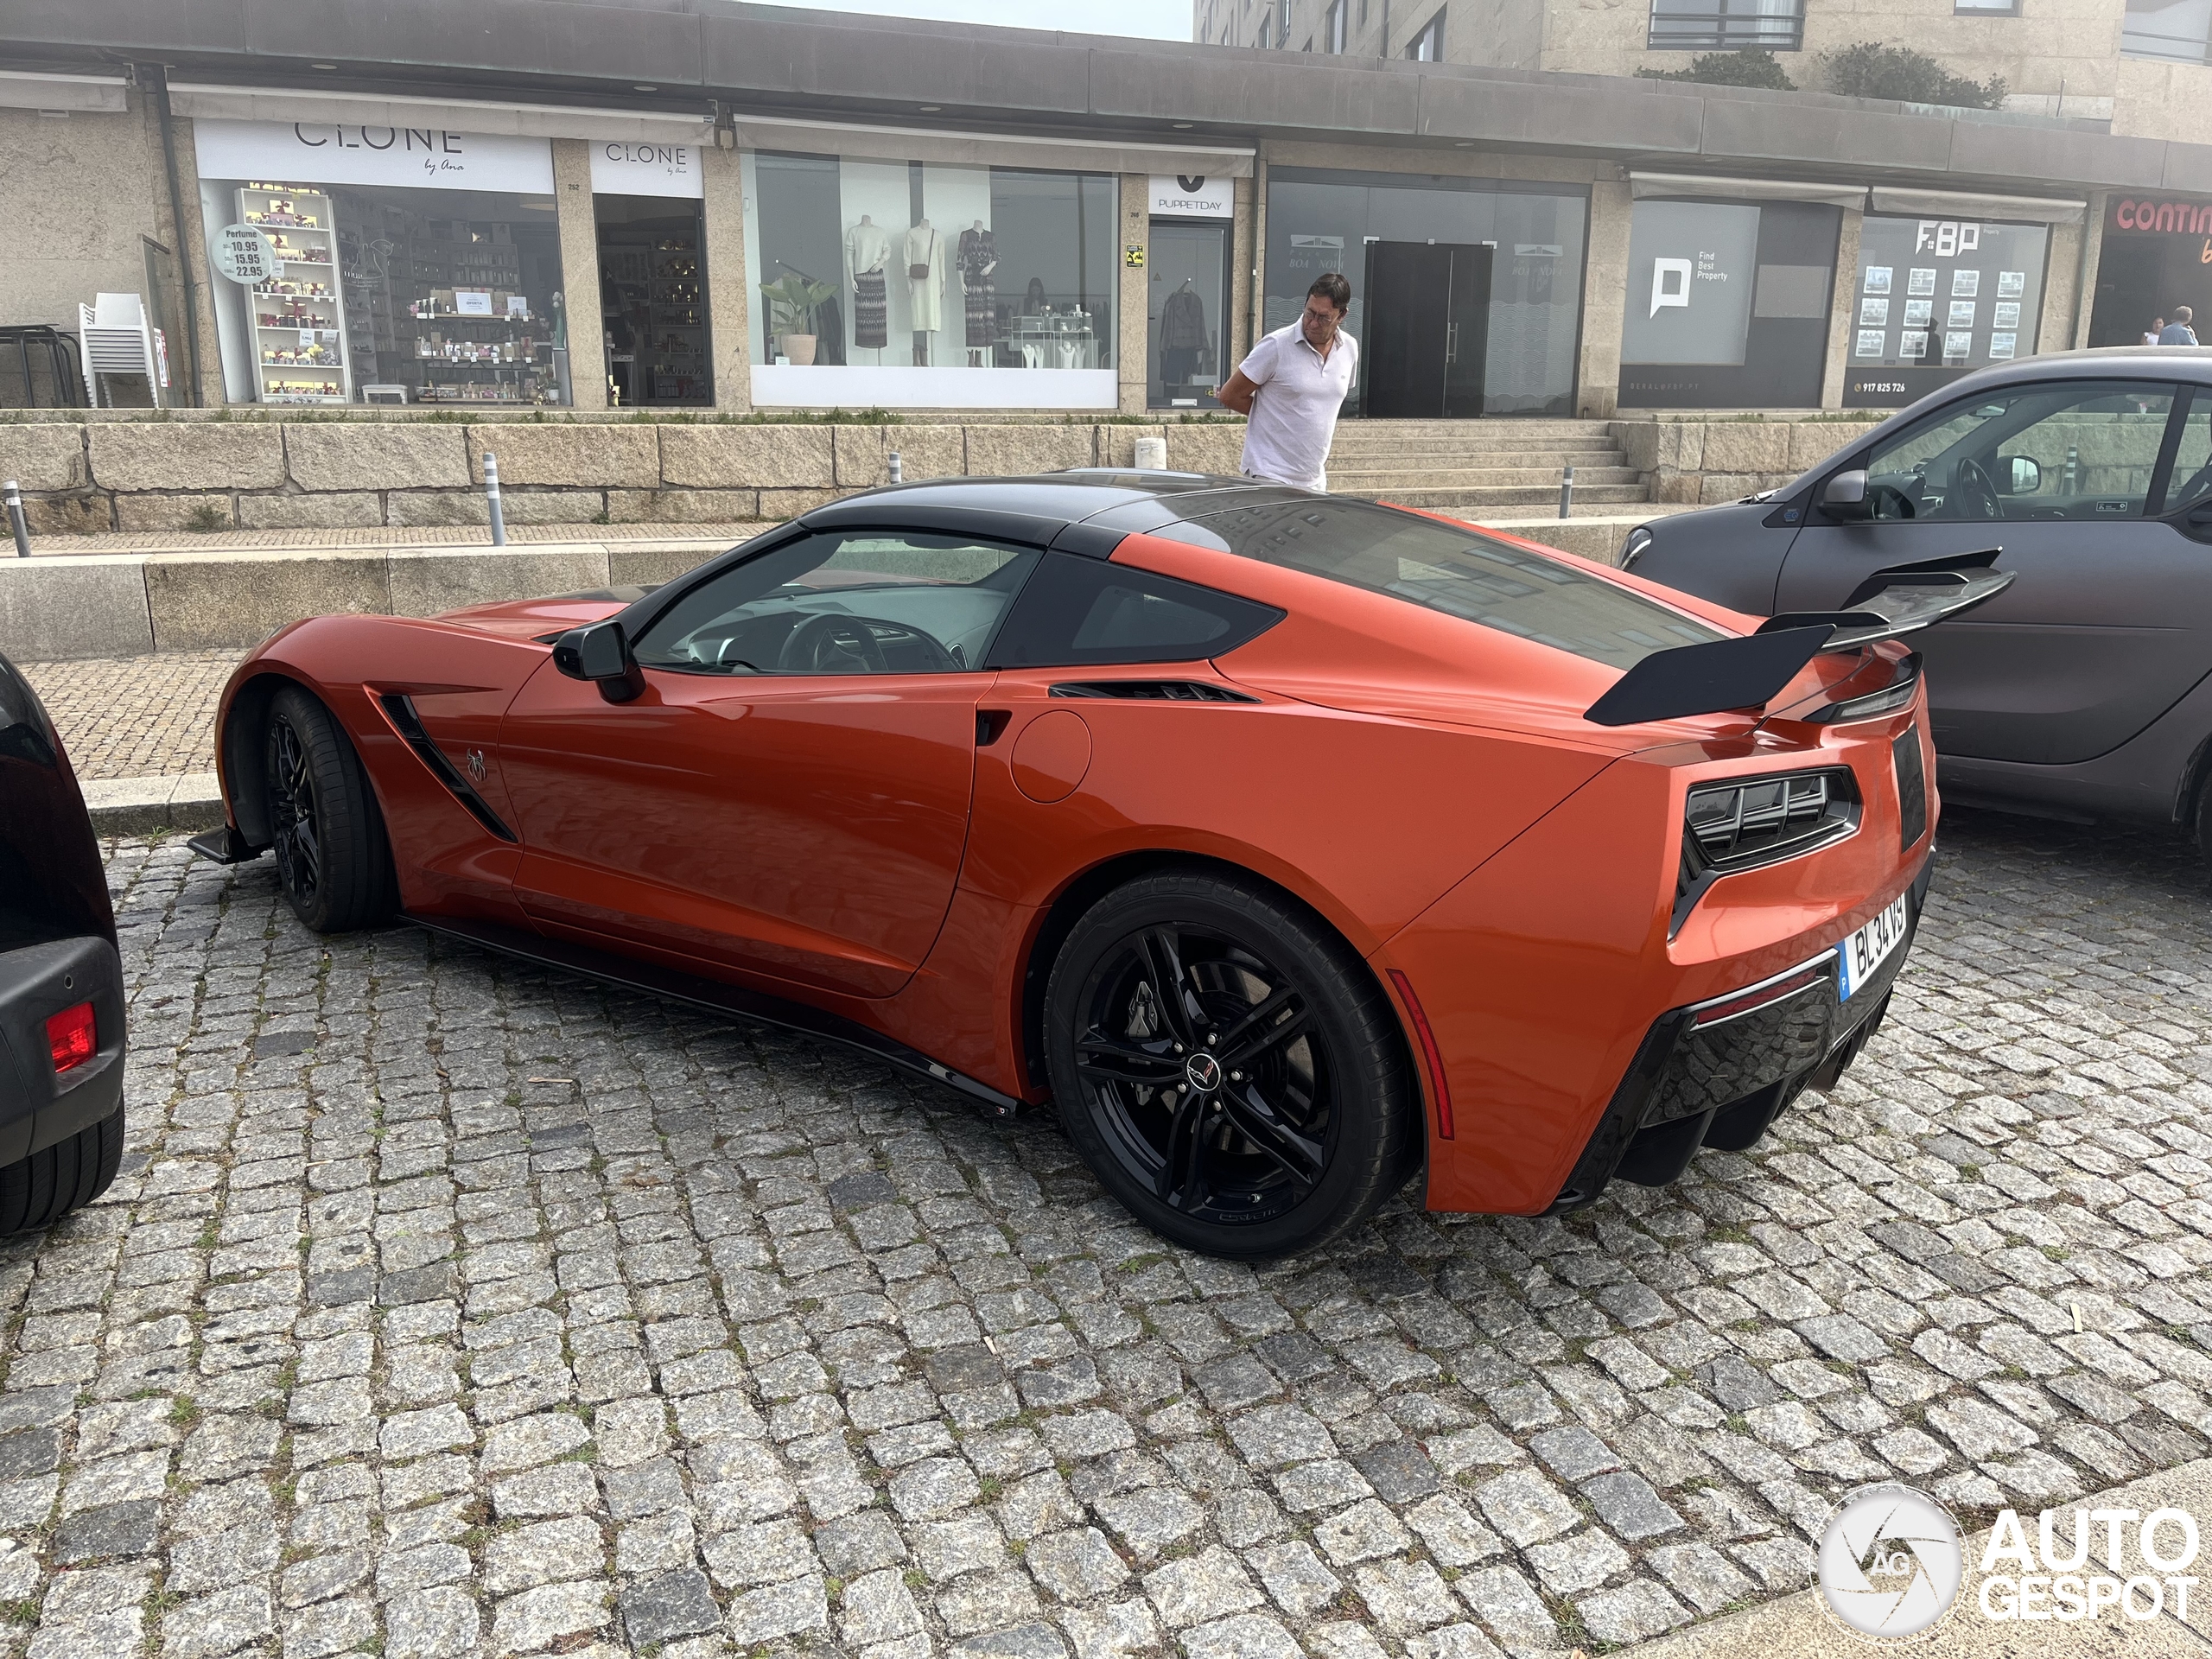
[1327, 319]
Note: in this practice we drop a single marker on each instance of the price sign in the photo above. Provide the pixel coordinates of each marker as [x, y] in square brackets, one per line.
[243, 254]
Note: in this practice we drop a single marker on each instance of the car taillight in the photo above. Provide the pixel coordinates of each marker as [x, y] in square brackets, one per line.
[70, 1038]
[1743, 824]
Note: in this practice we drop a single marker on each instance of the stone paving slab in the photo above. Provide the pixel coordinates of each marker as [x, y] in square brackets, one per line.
[136, 716]
[171, 540]
[445, 1306]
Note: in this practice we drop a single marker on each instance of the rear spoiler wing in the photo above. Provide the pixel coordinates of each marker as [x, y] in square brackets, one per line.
[1750, 671]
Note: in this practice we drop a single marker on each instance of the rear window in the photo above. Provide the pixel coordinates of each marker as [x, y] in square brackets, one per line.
[1457, 570]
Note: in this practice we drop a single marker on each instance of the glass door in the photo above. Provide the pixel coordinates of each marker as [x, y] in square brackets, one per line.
[1428, 320]
[654, 302]
[1188, 306]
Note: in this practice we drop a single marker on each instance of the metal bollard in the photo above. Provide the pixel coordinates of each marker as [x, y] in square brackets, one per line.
[491, 499]
[16, 521]
[1566, 492]
[898, 473]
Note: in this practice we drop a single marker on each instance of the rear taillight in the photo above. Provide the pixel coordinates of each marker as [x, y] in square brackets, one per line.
[70, 1038]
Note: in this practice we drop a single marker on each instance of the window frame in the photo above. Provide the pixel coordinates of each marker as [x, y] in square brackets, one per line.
[2005, 9]
[1427, 45]
[2183, 395]
[1333, 26]
[640, 619]
[1720, 37]
[1255, 619]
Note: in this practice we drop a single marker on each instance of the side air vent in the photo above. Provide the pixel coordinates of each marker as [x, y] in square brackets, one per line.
[1152, 691]
[400, 710]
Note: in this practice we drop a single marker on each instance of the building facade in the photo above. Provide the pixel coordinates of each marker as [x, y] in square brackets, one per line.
[2139, 66]
[718, 207]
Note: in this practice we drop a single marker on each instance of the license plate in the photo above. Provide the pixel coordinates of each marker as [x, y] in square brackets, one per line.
[1865, 951]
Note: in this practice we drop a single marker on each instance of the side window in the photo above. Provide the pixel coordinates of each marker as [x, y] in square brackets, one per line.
[844, 602]
[2192, 475]
[2075, 449]
[1079, 610]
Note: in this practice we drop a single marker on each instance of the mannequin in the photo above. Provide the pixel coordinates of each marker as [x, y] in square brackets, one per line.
[979, 258]
[924, 278]
[867, 246]
[1183, 338]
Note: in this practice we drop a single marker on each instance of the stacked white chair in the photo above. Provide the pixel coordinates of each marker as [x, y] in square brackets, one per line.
[117, 339]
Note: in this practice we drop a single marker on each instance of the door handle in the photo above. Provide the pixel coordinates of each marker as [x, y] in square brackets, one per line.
[990, 725]
[1450, 342]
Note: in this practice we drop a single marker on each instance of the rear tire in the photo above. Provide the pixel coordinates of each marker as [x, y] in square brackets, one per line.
[38, 1191]
[1228, 1067]
[334, 860]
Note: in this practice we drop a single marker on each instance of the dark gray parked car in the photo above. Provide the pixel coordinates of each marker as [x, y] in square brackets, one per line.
[2085, 691]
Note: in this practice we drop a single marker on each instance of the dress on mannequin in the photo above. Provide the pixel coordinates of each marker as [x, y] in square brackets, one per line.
[925, 254]
[869, 246]
[979, 258]
[1183, 338]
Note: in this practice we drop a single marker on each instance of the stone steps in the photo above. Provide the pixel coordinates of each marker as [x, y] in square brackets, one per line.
[1500, 495]
[1344, 477]
[1482, 464]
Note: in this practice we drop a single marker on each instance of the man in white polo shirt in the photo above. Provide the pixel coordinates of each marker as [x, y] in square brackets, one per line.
[1292, 386]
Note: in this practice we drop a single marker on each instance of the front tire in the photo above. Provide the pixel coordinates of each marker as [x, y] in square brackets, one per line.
[1228, 1067]
[38, 1191]
[333, 858]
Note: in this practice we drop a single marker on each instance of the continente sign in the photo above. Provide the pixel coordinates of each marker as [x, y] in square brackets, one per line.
[2169, 217]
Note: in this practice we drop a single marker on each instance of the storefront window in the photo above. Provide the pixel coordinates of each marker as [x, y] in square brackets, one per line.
[2157, 255]
[1727, 304]
[380, 265]
[891, 283]
[1322, 220]
[1937, 297]
[652, 301]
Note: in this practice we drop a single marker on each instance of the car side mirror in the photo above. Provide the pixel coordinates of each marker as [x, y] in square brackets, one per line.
[1844, 496]
[599, 651]
[2018, 475]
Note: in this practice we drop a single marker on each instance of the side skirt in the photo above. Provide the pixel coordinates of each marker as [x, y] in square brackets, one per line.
[733, 1000]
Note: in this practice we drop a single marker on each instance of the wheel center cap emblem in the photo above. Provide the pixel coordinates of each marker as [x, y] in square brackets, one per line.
[1203, 1072]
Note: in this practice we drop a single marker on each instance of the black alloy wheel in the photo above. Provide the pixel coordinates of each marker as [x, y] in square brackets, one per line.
[1227, 1066]
[333, 858]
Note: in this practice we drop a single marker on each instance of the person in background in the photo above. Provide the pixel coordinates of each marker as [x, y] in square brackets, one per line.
[2151, 334]
[1292, 386]
[2178, 332]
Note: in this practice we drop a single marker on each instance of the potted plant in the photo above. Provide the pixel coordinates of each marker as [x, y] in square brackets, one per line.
[792, 301]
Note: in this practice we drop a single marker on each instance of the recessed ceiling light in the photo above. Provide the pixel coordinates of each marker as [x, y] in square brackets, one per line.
[1182, 126]
[929, 109]
[322, 66]
[639, 86]
[1464, 143]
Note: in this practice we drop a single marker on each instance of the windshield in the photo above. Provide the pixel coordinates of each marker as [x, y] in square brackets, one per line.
[1453, 569]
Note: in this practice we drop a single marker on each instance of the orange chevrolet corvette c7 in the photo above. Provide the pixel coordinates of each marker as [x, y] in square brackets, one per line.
[1286, 844]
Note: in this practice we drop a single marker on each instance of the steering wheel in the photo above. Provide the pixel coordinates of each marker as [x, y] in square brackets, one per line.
[820, 637]
[1974, 496]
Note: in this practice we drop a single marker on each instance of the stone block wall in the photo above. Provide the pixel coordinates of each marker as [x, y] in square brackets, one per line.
[80, 476]
[1690, 461]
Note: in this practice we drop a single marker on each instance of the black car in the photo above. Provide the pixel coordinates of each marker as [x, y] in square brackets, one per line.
[2085, 691]
[62, 1021]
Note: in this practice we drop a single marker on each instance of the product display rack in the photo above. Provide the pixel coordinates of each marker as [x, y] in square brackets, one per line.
[657, 284]
[306, 297]
[500, 355]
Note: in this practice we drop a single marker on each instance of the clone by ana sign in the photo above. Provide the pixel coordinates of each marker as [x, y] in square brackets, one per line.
[1194, 196]
[423, 157]
[622, 168]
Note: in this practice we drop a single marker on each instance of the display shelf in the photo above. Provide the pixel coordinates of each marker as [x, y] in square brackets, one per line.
[302, 223]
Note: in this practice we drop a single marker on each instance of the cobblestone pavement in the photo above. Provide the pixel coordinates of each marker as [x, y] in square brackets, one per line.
[445, 1306]
[136, 716]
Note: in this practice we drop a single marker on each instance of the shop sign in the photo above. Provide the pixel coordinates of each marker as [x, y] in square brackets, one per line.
[2162, 218]
[1690, 298]
[422, 157]
[243, 254]
[1935, 298]
[622, 167]
[1194, 196]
